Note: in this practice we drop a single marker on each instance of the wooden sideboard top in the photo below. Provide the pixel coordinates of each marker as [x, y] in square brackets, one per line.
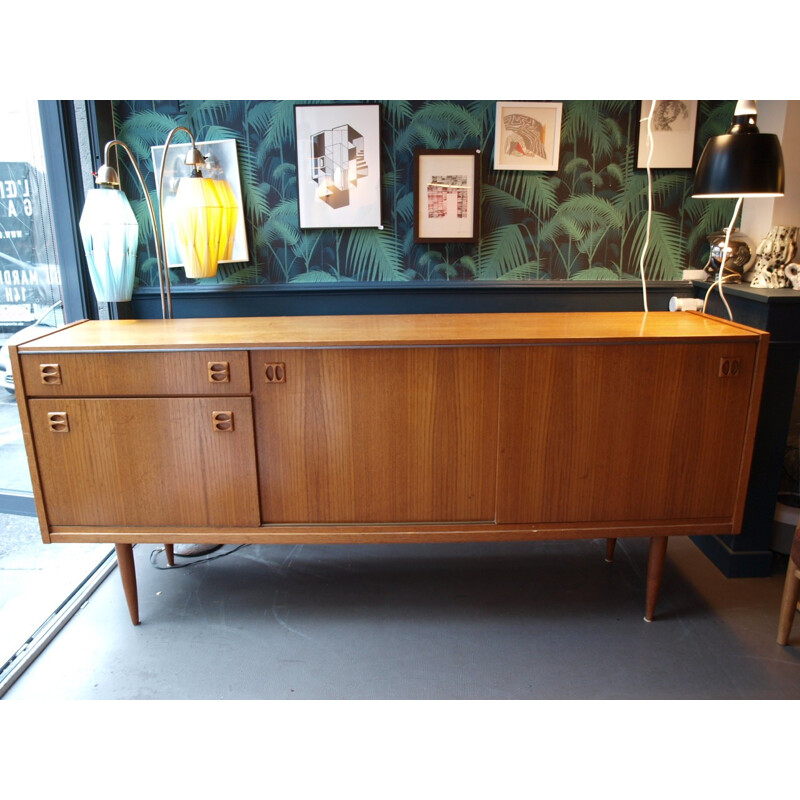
[388, 330]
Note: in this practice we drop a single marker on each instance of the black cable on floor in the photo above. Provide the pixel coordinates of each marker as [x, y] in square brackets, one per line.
[195, 559]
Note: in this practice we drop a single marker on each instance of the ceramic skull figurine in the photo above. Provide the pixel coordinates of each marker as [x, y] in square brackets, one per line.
[775, 251]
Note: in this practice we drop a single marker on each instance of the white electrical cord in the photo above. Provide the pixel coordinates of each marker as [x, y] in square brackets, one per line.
[649, 120]
[720, 278]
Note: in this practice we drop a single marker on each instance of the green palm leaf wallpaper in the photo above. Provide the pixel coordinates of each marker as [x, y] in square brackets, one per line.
[585, 221]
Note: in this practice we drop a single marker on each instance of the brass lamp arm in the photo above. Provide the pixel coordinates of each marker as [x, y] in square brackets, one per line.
[194, 157]
[107, 175]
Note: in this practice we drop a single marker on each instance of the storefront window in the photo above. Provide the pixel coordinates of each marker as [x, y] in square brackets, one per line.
[30, 281]
[35, 578]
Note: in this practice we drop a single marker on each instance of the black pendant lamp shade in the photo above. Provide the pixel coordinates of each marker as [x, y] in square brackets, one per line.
[742, 162]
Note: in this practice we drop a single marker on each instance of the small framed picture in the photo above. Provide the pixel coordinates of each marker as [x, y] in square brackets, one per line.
[673, 127]
[527, 136]
[338, 165]
[446, 195]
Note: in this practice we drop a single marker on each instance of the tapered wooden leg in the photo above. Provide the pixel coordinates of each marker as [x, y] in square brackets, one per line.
[169, 552]
[791, 590]
[610, 545]
[655, 569]
[127, 571]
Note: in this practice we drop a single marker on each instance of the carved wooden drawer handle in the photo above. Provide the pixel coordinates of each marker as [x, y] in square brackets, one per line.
[219, 372]
[275, 372]
[223, 421]
[58, 421]
[51, 373]
[729, 367]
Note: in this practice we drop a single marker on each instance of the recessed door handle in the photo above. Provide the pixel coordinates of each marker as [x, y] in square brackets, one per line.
[275, 372]
[222, 421]
[50, 373]
[58, 421]
[219, 372]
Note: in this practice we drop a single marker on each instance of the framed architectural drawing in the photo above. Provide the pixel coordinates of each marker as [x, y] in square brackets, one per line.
[673, 128]
[338, 165]
[527, 136]
[446, 195]
[222, 162]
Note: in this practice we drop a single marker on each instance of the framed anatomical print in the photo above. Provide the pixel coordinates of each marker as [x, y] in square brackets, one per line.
[672, 127]
[527, 136]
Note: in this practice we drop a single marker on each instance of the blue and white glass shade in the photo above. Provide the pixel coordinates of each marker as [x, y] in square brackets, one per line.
[110, 236]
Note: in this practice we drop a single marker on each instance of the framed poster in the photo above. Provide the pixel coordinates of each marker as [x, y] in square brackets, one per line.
[222, 163]
[527, 136]
[673, 128]
[338, 165]
[446, 195]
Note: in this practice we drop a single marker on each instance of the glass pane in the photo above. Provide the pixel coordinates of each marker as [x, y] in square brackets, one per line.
[30, 281]
[34, 578]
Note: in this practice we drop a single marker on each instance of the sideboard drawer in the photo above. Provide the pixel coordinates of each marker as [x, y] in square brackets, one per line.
[136, 373]
[123, 462]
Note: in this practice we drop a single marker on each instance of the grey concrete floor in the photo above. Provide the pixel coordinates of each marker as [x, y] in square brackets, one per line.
[512, 621]
[36, 578]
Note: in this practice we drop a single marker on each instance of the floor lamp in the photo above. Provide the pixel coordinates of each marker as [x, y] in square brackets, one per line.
[202, 219]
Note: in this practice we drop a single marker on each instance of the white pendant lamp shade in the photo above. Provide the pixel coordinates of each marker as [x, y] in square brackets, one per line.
[202, 225]
[110, 237]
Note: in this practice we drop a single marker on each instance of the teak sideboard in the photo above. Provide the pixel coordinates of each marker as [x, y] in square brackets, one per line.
[409, 428]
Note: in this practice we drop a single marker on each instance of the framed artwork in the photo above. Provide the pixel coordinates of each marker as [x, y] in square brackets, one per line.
[527, 136]
[222, 162]
[673, 128]
[446, 195]
[338, 165]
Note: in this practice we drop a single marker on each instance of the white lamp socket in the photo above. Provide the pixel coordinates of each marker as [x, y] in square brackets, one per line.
[685, 304]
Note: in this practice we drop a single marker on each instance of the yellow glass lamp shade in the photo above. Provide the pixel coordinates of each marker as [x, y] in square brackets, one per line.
[110, 235]
[202, 226]
[230, 218]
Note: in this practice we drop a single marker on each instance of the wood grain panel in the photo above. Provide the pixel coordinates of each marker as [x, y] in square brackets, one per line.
[608, 432]
[377, 435]
[146, 462]
[138, 373]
